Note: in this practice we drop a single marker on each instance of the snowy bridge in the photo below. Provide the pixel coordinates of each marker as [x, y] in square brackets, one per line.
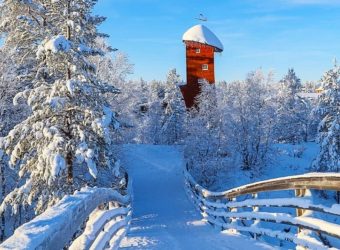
[164, 217]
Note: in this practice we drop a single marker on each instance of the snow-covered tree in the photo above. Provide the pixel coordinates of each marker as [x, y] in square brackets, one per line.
[152, 119]
[174, 110]
[114, 67]
[9, 113]
[328, 158]
[65, 143]
[249, 118]
[291, 81]
[293, 111]
[309, 87]
[204, 135]
[21, 25]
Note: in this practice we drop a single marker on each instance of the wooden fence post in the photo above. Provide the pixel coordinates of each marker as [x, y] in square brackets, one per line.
[255, 210]
[233, 221]
[300, 193]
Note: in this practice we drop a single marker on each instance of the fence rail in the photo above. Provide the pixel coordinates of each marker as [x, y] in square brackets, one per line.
[227, 211]
[105, 213]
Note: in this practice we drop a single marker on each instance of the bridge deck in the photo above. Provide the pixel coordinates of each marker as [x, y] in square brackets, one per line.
[163, 217]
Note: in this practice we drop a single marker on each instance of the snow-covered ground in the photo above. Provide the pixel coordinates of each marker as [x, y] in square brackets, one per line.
[163, 216]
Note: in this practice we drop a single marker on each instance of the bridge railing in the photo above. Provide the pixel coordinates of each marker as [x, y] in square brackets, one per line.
[239, 209]
[103, 214]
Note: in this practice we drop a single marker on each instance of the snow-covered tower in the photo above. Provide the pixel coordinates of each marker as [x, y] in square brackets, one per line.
[201, 45]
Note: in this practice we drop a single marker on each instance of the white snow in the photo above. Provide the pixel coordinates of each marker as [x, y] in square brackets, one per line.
[56, 44]
[201, 34]
[309, 95]
[59, 164]
[70, 86]
[163, 216]
[83, 153]
[92, 167]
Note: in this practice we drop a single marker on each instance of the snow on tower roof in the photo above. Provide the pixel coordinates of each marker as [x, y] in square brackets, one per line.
[201, 34]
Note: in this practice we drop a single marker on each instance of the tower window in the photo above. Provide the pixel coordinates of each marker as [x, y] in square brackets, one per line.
[201, 80]
[205, 67]
[198, 51]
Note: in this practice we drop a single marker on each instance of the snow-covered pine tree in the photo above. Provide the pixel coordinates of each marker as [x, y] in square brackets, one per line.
[293, 112]
[291, 81]
[328, 159]
[65, 143]
[152, 122]
[173, 128]
[20, 28]
[204, 135]
[8, 112]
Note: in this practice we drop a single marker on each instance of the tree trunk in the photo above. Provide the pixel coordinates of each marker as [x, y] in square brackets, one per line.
[2, 174]
[69, 156]
[69, 162]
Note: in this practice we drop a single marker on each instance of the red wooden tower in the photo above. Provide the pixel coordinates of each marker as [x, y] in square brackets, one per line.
[201, 45]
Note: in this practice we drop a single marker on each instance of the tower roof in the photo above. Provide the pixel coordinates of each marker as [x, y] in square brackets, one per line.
[201, 34]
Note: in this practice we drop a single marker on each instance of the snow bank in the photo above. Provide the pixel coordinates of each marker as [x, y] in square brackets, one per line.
[201, 34]
[56, 226]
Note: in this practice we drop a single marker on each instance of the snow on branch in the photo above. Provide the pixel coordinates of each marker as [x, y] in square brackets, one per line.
[55, 45]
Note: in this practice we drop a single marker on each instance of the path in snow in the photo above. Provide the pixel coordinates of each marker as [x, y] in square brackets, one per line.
[163, 216]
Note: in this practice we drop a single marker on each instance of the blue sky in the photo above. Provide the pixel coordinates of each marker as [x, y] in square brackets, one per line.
[271, 34]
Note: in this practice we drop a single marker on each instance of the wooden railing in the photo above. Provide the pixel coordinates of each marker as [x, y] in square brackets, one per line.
[93, 218]
[239, 209]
